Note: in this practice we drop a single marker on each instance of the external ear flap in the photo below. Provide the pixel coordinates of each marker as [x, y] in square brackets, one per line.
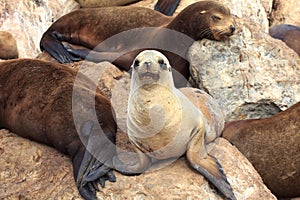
[203, 11]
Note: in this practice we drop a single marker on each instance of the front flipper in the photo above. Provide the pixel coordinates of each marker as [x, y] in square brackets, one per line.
[166, 7]
[51, 42]
[208, 166]
[142, 165]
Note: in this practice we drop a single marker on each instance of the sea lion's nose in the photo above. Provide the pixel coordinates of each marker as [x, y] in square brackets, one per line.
[148, 64]
[232, 28]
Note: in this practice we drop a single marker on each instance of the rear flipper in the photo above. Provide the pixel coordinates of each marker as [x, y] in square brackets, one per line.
[166, 7]
[208, 166]
[51, 42]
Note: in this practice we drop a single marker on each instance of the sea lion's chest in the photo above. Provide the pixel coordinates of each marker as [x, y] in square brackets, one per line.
[161, 123]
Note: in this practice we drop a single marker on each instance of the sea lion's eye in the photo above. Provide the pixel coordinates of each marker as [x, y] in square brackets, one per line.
[136, 64]
[162, 64]
[216, 18]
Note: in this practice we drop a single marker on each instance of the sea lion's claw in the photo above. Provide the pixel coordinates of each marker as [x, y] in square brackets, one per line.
[166, 7]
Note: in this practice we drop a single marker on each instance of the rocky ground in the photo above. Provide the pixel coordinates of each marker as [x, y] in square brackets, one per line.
[251, 75]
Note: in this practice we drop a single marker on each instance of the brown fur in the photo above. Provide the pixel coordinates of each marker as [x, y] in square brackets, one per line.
[8, 46]
[272, 146]
[36, 103]
[289, 34]
[204, 19]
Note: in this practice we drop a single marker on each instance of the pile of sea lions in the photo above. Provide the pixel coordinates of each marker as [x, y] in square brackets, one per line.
[165, 119]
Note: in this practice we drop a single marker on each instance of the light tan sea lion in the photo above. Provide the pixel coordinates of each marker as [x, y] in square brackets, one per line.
[164, 124]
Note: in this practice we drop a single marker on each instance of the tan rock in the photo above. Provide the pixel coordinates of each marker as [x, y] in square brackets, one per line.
[32, 171]
[285, 12]
[27, 20]
[249, 70]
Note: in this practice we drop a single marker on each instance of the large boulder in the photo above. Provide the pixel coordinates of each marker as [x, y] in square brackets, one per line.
[251, 74]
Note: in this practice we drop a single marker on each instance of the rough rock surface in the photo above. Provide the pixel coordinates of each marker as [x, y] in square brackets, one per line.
[285, 12]
[248, 68]
[27, 20]
[32, 171]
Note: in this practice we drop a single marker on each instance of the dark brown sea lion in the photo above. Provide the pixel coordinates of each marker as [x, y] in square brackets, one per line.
[204, 19]
[39, 101]
[272, 145]
[289, 34]
[164, 124]
[8, 46]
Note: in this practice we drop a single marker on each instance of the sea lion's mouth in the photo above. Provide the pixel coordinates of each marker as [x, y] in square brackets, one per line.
[148, 76]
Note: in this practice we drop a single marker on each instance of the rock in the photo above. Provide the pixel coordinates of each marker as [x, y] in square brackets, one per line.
[285, 12]
[248, 68]
[29, 170]
[27, 20]
[8, 46]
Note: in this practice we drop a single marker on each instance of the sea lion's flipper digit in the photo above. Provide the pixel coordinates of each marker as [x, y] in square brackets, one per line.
[51, 42]
[166, 7]
[208, 166]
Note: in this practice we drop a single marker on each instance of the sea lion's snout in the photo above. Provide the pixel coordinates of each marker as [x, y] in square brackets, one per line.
[148, 70]
[232, 28]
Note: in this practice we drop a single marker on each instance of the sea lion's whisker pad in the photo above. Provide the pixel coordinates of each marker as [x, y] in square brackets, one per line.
[166, 123]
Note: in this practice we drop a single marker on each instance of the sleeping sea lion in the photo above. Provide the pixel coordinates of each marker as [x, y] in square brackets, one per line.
[272, 145]
[204, 19]
[163, 123]
[38, 101]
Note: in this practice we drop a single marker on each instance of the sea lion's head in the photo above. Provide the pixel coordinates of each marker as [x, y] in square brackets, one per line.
[206, 19]
[151, 67]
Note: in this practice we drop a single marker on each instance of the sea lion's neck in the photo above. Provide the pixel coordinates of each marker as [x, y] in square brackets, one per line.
[183, 23]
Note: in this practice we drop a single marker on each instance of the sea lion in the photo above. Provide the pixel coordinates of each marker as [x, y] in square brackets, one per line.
[39, 101]
[204, 19]
[163, 123]
[8, 46]
[289, 34]
[166, 7]
[272, 146]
